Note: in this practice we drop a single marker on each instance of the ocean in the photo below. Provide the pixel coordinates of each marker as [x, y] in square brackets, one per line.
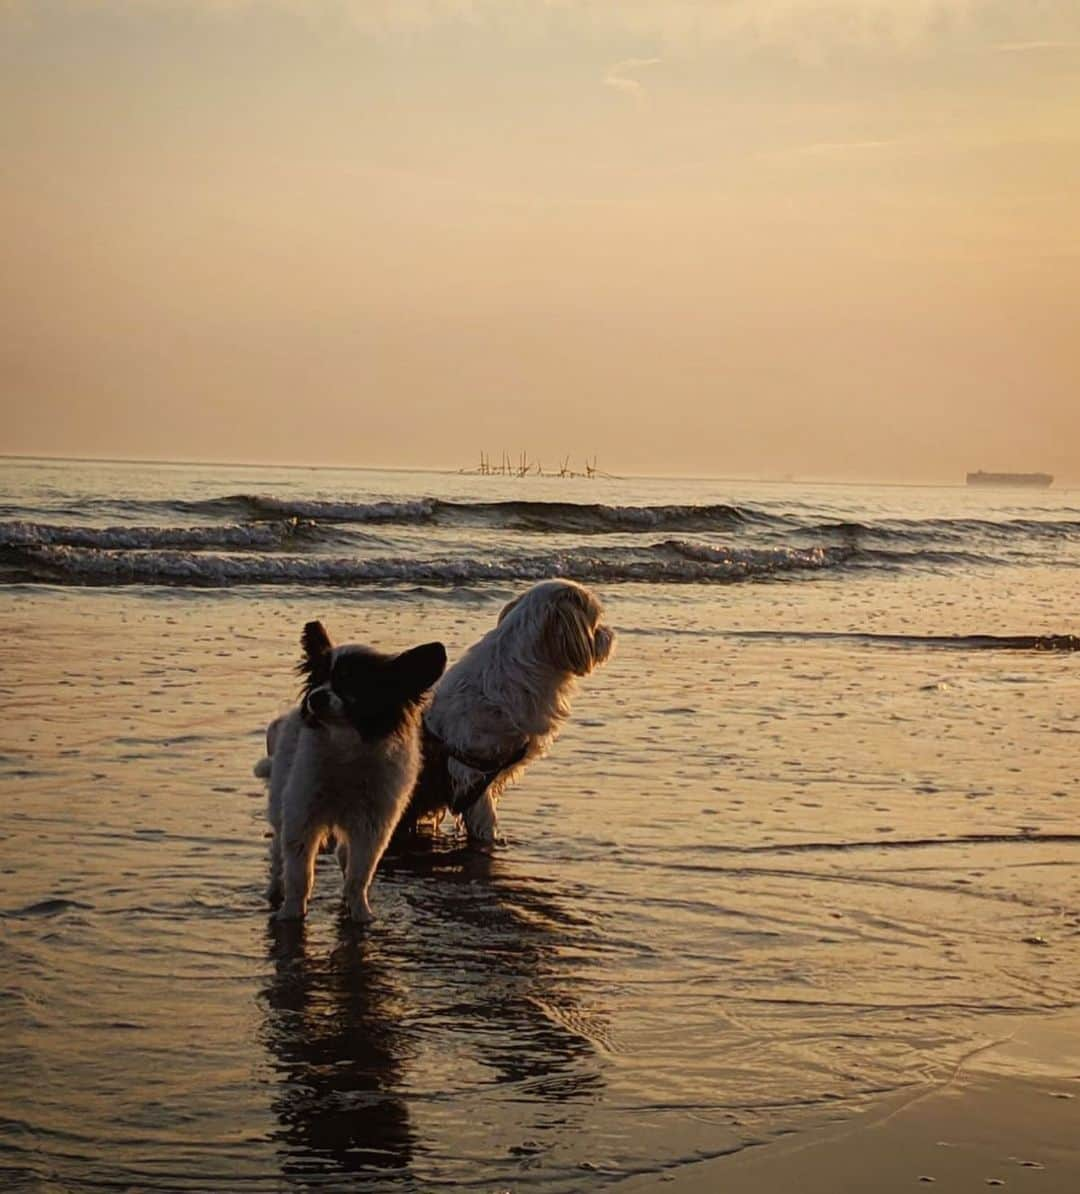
[809, 841]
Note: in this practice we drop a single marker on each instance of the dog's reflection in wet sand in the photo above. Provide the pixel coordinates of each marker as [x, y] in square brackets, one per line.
[333, 1030]
[372, 1034]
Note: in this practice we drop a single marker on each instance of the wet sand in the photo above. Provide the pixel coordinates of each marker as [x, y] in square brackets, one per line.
[768, 902]
[1008, 1118]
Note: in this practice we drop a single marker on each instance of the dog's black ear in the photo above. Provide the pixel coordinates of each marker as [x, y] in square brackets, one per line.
[316, 645]
[415, 671]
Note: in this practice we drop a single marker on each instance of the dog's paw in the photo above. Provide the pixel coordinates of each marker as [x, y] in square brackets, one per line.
[485, 836]
[361, 914]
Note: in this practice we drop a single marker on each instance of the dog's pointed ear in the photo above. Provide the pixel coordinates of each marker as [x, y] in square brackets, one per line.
[316, 645]
[417, 670]
[568, 635]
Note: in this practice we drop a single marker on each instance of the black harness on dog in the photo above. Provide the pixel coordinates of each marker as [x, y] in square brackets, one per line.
[437, 754]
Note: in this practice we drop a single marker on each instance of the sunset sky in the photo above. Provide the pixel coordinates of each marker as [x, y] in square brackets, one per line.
[752, 237]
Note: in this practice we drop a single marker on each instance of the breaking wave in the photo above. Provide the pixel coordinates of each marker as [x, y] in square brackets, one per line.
[249, 536]
[585, 518]
[580, 517]
[671, 562]
[948, 530]
[252, 539]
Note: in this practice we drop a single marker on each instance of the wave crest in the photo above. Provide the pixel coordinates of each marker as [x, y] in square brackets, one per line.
[250, 536]
[580, 517]
[667, 562]
[597, 518]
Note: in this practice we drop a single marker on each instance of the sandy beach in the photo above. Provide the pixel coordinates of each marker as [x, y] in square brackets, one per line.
[1008, 1117]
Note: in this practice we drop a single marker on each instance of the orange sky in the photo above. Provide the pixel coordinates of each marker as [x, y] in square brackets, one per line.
[820, 237]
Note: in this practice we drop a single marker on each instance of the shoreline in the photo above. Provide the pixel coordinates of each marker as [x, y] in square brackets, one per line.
[1009, 1116]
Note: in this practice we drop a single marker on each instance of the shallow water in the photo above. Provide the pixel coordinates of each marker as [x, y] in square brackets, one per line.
[787, 856]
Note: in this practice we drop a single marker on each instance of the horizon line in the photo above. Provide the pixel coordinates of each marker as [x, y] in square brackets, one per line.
[454, 472]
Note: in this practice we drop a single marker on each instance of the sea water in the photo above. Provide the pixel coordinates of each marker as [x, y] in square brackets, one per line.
[810, 838]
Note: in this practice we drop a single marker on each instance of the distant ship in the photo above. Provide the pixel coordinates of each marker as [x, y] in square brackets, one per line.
[1032, 480]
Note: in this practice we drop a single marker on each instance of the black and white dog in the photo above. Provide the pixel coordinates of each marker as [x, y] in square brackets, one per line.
[343, 762]
[503, 703]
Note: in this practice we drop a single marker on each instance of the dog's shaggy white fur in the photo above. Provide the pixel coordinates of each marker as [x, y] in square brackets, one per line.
[503, 703]
[343, 762]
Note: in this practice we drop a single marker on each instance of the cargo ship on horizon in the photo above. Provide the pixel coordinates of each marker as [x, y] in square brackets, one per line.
[1030, 480]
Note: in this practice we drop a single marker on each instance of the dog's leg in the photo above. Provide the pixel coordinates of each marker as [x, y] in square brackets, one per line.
[298, 854]
[367, 843]
[481, 823]
[274, 886]
[273, 815]
[276, 770]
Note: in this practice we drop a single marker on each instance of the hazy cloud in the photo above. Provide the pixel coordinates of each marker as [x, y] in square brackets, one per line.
[801, 25]
[1031, 47]
[617, 76]
[838, 148]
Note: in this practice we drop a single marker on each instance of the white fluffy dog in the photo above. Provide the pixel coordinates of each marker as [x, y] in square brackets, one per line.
[503, 703]
[343, 762]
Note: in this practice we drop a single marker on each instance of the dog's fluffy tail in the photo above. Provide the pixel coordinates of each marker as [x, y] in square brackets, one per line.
[265, 765]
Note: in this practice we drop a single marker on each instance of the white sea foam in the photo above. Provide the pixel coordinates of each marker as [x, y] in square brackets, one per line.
[656, 563]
